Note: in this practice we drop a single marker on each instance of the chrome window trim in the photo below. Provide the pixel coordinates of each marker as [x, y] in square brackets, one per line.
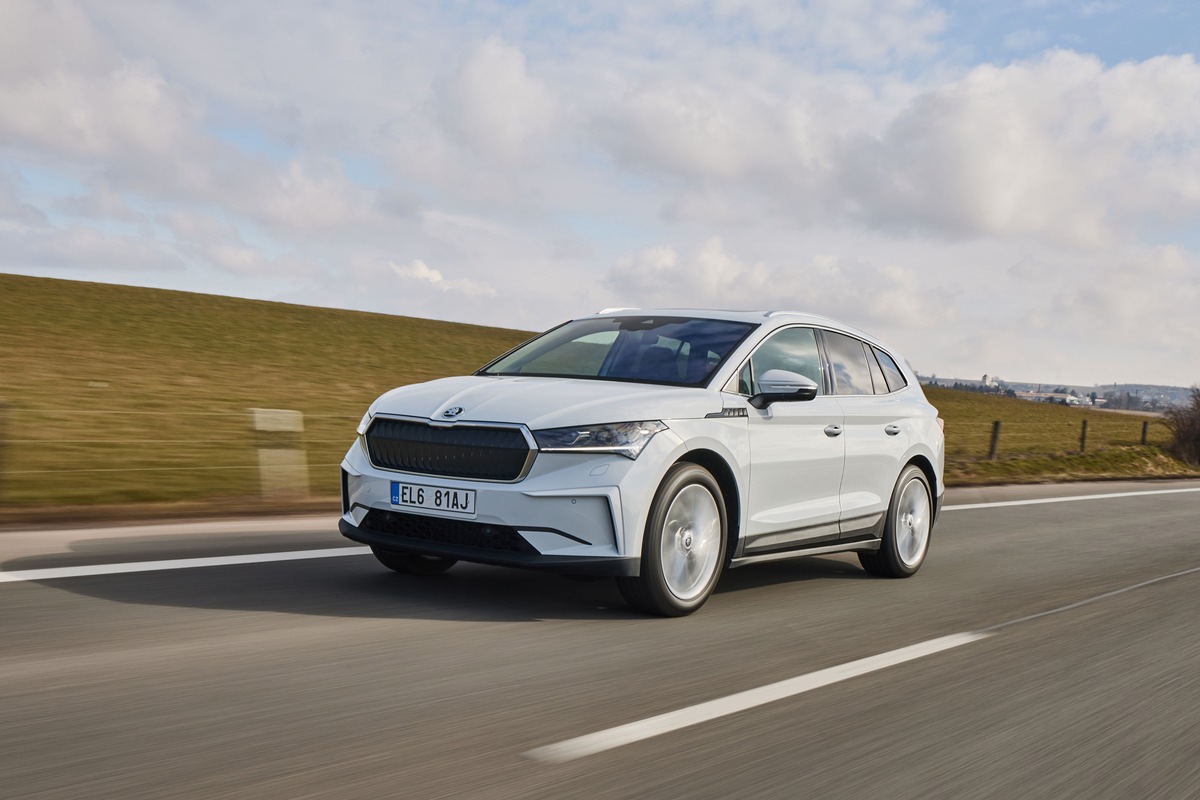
[732, 382]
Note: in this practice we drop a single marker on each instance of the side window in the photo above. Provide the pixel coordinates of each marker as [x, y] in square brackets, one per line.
[793, 349]
[895, 378]
[877, 378]
[847, 355]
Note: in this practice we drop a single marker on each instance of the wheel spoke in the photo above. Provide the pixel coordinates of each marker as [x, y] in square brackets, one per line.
[911, 524]
[690, 543]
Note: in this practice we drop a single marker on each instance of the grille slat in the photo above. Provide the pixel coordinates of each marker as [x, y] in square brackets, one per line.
[494, 454]
[439, 530]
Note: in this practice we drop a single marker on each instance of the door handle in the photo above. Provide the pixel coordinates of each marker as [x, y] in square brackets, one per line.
[892, 430]
[833, 430]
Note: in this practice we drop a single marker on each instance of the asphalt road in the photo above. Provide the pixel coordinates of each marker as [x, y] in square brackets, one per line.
[333, 678]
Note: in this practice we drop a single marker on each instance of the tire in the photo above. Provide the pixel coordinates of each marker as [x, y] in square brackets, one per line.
[907, 531]
[683, 549]
[413, 563]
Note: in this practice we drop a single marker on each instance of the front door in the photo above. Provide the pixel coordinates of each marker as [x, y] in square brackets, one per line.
[797, 452]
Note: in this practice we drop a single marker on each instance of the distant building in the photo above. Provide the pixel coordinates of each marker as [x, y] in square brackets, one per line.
[1050, 397]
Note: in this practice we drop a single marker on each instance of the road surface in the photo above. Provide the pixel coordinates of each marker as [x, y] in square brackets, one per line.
[244, 675]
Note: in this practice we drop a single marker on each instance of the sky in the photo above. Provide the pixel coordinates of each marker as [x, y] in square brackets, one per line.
[1000, 187]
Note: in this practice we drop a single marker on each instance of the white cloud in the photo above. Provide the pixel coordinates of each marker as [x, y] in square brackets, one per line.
[84, 249]
[495, 104]
[127, 110]
[840, 156]
[420, 271]
[1060, 148]
[709, 276]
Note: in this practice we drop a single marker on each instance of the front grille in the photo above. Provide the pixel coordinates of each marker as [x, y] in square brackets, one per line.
[461, 451]
[439, 530]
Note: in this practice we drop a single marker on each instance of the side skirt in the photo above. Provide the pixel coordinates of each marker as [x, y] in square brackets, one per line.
[864, 545]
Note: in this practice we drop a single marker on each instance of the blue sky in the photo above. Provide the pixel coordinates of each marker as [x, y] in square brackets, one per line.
[999, 187]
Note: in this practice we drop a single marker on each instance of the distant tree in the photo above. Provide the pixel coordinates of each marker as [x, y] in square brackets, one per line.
[1092, 397]
[1010, 393]
[1184, 424]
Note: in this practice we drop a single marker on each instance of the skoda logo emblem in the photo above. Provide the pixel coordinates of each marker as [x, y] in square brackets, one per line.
[451, 413]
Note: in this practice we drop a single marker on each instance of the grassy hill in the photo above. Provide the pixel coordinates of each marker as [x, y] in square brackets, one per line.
[116, 395]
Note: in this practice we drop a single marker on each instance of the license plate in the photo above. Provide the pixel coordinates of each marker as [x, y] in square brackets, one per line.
[413, 495]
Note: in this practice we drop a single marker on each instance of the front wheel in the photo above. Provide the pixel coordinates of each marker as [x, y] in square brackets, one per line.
[683, 550]
[413, 563]
[907, 530]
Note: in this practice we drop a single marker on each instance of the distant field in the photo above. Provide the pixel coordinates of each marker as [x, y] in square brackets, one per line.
[117, 395]
[1039, 441]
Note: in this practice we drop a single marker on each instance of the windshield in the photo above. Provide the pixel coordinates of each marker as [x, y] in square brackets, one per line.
[672, 350]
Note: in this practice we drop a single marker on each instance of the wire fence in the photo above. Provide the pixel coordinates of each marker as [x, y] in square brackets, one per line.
[1001, 439]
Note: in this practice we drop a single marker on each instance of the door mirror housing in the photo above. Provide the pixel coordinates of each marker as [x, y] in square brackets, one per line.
[782, 386]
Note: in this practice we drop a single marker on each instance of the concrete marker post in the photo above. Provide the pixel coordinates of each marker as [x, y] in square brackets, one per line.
[3, 443]
[282, 461]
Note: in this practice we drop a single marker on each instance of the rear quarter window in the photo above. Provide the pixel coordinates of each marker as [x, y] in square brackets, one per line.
[895, 378]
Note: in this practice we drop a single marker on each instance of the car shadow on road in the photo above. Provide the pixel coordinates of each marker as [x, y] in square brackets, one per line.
[359, 587]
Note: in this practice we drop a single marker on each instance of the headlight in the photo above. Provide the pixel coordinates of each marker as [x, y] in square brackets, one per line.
[363, 423]
[623, 438]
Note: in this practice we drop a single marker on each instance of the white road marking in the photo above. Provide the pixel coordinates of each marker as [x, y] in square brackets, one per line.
[175, 563]
[1072, 499]
[1090, 600]
[632, 732]
[723, 706]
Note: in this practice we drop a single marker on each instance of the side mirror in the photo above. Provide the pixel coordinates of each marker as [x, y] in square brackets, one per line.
[780, 385]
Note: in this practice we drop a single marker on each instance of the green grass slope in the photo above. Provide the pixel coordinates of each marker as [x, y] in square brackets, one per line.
[118, 394]
[113, 395]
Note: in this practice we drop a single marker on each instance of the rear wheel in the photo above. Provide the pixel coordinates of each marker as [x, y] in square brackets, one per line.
[413, 563]
[683, 550]
[907, 530]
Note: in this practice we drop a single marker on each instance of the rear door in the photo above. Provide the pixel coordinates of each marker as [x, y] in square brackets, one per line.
[877, 433]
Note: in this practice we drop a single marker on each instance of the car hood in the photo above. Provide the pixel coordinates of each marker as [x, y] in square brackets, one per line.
[543, 403]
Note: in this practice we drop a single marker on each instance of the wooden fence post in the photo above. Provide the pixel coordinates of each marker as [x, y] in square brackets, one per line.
[1145, 429]
[995, 440]
[1083, 437]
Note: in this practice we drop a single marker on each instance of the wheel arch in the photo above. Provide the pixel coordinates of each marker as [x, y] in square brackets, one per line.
[926, 466]
[719, 468]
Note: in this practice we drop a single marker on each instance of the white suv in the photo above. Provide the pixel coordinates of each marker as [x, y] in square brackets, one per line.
[659, 447]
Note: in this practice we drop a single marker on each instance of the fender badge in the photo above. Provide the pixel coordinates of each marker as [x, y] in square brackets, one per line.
[451, 413]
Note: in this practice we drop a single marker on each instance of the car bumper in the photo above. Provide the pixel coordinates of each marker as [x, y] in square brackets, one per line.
[572, 513]
[567, 565]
